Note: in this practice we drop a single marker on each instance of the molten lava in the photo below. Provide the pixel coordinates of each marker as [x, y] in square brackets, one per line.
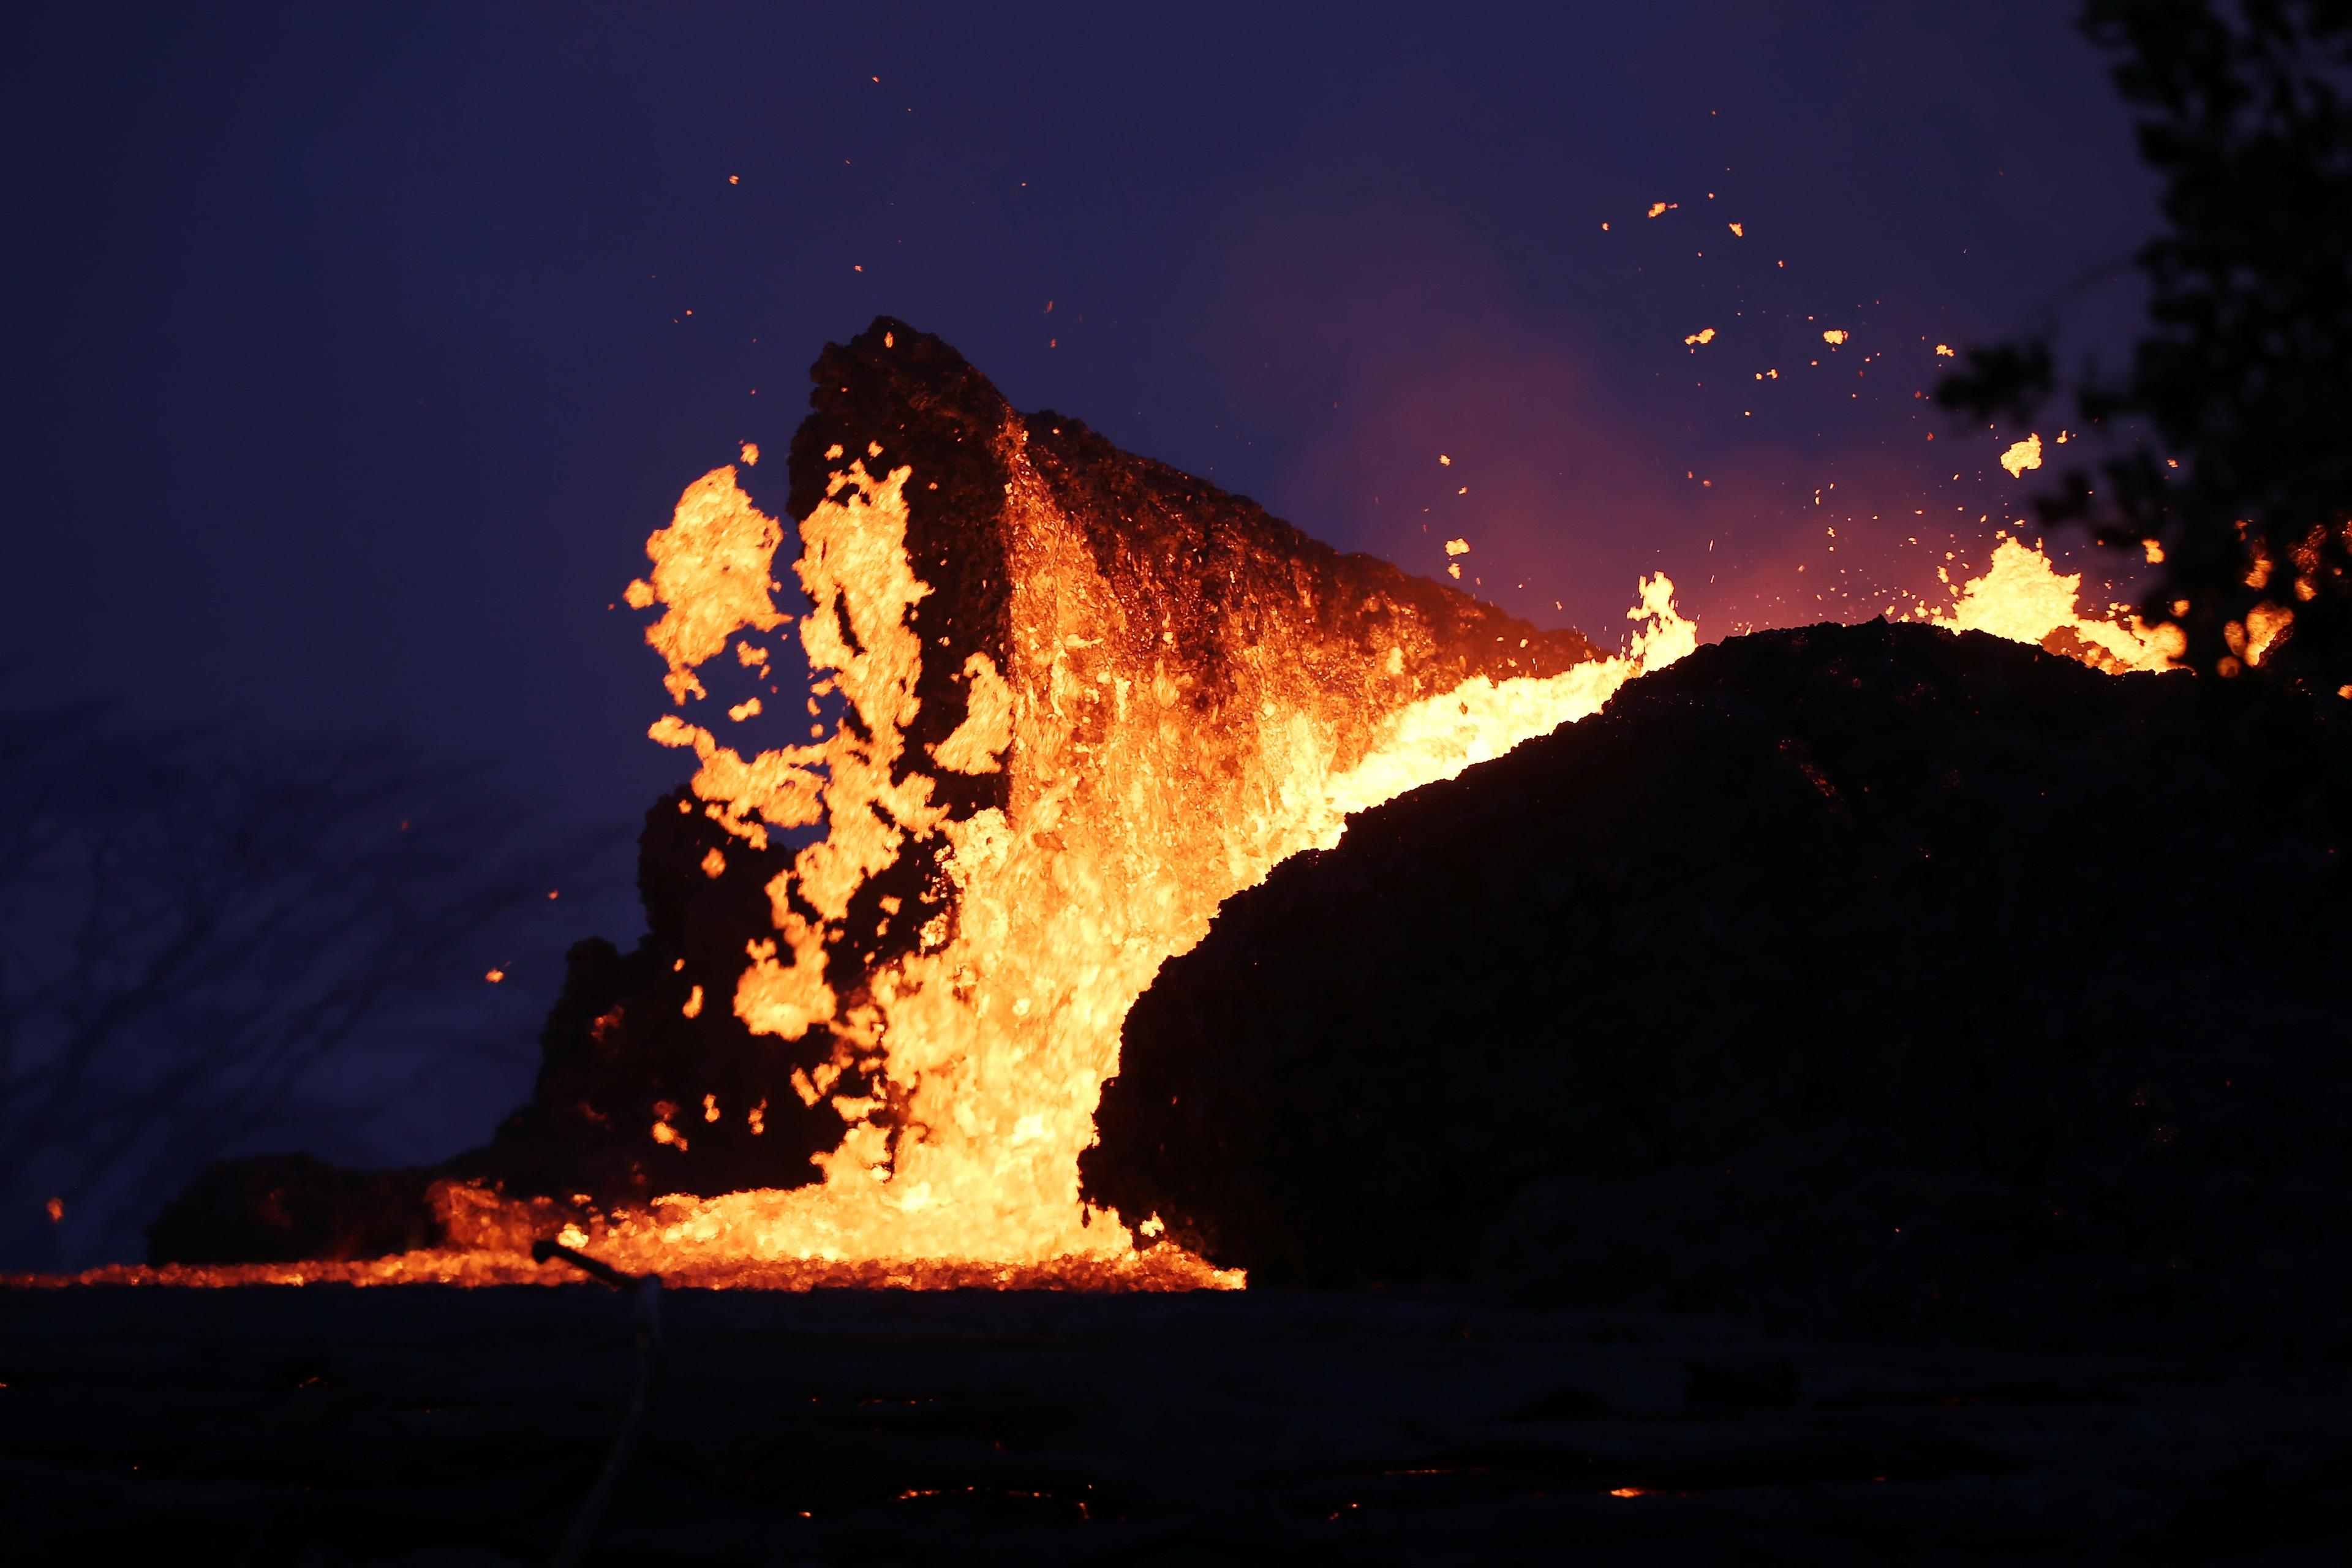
[2023, 598]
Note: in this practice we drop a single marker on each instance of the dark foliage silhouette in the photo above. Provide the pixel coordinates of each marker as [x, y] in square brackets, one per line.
[2226, 433]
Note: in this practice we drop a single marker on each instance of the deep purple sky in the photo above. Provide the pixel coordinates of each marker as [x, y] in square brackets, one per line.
[350, 361]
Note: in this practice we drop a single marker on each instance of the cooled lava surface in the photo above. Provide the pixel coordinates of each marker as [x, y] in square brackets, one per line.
[1866, 975]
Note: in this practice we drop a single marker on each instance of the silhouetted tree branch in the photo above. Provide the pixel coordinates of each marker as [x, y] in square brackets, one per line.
[2241, 385]
[197, 930]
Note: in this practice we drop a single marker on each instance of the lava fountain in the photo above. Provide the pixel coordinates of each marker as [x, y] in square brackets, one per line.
[1085, 699]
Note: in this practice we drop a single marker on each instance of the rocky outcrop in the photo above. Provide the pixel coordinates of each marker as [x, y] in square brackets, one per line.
[1866, 975]
[283, 1208]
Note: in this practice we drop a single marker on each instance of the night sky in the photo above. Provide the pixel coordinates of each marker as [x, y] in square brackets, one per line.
[354, 353]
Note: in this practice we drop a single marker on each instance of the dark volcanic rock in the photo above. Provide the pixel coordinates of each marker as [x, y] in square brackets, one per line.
[618, 1052]
[1870, 973]
[281, 1208]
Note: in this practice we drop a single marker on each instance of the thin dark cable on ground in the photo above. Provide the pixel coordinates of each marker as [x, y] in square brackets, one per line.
[646, 1292]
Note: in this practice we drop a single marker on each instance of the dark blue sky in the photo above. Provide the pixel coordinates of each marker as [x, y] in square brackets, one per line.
[351, 359]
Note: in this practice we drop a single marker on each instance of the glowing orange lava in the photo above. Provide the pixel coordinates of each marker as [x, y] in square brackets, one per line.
[2022, 598]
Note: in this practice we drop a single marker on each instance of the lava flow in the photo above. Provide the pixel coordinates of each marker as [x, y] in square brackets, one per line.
[1078, 699]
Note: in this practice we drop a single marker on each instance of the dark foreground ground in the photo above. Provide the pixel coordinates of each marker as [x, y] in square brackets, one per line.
[325, 1426]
